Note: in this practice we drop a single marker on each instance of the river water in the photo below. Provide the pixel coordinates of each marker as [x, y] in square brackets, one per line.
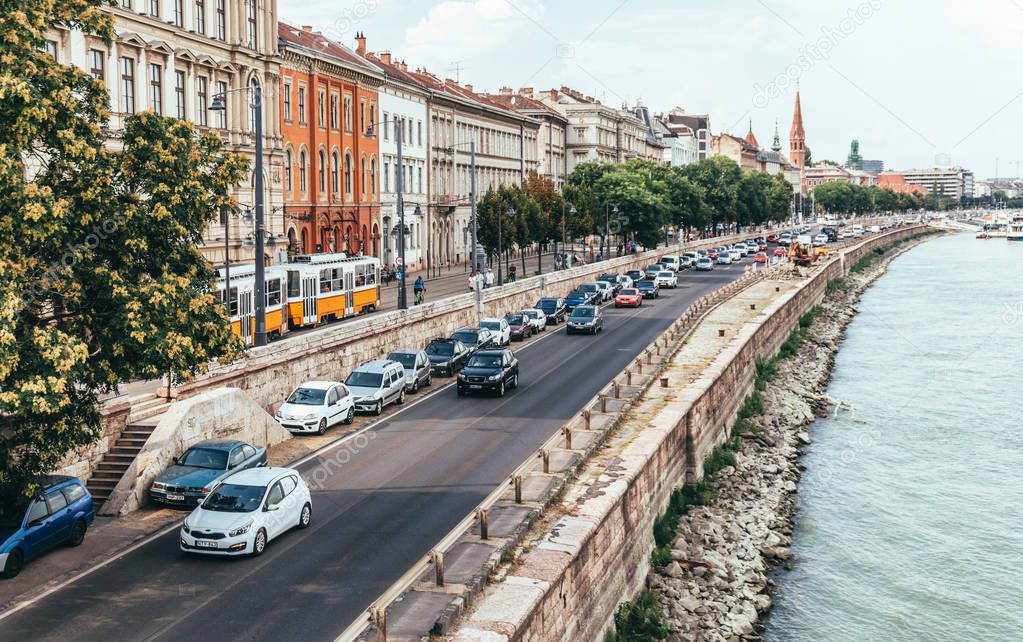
[910, 512]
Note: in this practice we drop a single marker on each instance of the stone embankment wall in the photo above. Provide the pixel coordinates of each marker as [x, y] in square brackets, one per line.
[568, 587]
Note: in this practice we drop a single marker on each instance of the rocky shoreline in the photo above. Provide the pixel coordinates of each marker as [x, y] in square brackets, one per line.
[717, 586]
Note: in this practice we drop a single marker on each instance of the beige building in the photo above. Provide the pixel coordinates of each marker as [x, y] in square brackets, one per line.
[551, 140]
[173, 57]
[741, 150]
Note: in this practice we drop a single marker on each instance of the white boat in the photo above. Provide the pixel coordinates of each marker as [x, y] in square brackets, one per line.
[1015, 230]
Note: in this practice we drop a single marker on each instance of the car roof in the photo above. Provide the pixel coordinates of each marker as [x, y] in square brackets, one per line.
[495, 352]
[380, 365]
[217, 443]
[406, 351]
[584, 307]
[318, 385]
[50, 481]
[495, 319]
[259, 476]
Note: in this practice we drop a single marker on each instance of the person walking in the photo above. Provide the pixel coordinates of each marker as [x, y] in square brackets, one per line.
[511, 273]
[489, 279]
[419, 289]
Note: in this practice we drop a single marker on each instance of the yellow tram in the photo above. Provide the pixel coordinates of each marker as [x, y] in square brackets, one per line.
[327, 287]
[241, 307]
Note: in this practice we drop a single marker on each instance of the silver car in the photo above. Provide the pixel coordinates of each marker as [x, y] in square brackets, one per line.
[416, 363]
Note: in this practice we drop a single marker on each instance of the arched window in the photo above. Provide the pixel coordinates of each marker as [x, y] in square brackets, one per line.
[253, 89]
[322, 170]
[303, 164]
[348, 174]
[334, 175]
[373, 175]
[305, 242]
[364, 168]
[288, 169]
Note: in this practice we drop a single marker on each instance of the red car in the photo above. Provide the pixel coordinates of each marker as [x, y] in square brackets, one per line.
[772, 238]
[760, 257]
[629, 297]
[780, 251]
[713, 254]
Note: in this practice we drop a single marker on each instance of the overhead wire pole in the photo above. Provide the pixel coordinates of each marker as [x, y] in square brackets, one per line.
[472, 198]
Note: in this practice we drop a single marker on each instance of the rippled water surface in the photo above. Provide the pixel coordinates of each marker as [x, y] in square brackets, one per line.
[910, 522]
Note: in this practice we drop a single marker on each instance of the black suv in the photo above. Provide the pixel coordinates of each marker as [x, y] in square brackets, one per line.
[474, 338]
[553, 308]
[447, 356]
[616, 285]
[489, 371]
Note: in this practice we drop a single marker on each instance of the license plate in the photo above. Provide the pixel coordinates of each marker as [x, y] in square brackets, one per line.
[475, 386]
[201, 543]
[175, 498]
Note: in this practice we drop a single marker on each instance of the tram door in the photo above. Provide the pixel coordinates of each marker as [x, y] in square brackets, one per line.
[245, 315]
[349, 294]
[309, 285]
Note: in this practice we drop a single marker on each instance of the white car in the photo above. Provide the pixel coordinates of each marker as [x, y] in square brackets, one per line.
[607, 291]
[315, 406]
[624, 281]
[499, 330]
[736, 255]
[724, 258]
[820, 239]
[537, 319]
[666, 279]
[671, 262]
[246, 511]
[686, 262]
[377, 384]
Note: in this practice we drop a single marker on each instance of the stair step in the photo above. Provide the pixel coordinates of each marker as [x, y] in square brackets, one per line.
[107, 475]
[112, 467]
[147, 414]
[136, 434]
[130, 442]
[121, 453]
[101, 484]
[146, 404]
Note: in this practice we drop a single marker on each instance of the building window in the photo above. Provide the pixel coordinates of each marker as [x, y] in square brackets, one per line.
[287, 101]
[334, 174]
[222, 92]
[387, 126]
[321, 107]
[250, 10]
[333, 111]
[202, 106]
[348, 173]
[363, 174]
[154, 8]
[420, 190]
[127, 85]
[51, 48]
[99, 59]
[348, 113]
[301, 105]
[372, 114]
[126, 4]
[221, 20]
[302, 167]
[387, 176]
[362, 116]
[288, 169]
[200, 17]
[419, 135]
[322, 171]
[179, 92]
[179, 13]
[373, 175]
[156, 88]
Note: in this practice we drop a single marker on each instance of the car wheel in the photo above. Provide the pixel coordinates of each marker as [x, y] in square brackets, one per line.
[351, 415]
[415, 386]
[322, 428]
[429, 379]
[514, 382]
[15, 562]
[461, 393]
[500, 390]
[401, 397]
[259, 543]
[306, 516]
[380, 408]
[77, 533]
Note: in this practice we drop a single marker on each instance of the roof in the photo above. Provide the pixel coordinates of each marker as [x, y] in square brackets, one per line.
[380, 365]
[259, 476]
[524, 105]
[318, 385]
[212, 443]
[319, 44]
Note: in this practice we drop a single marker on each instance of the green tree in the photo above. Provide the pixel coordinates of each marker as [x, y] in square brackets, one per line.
[101, 281]
[719, 178]
[551, 205]
[642, 212]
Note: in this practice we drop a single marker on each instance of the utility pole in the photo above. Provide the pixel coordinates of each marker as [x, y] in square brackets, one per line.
[472, 197]
[400, 202]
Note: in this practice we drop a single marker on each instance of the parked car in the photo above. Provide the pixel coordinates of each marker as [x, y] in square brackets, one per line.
[649, 289]
[196, 472]
[666, 279]
[489, 371]
[704, 264]
[593, 288]
[635, 275]
[519, 326]
[377, 384]
[760, 257]
[447, 356]
[474, 338]
[724, 258]
[313, 407]
[553, 308]
[60, 514]
[418, 370]
[671, 262]
[586, 319]
[499, 331]
[611, 279]
[537, 318]
[652, 270]
[579, 297]
[607, 290]
[820, 239]
[629, 298]
[246, 512]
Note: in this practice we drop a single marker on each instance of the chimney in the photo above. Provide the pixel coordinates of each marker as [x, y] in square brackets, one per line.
[385, 57]
[360, 43]
[506, 91]
[554, 95]
[468, 86]
[526, 91]
[307, 28]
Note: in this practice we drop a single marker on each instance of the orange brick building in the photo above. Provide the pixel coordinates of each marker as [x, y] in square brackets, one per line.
[328, 100]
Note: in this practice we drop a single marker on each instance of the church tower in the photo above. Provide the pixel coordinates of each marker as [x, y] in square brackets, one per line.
[750, 138]
[797, 137]
[776, 145]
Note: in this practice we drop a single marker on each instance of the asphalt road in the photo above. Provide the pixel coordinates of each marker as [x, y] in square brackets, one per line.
[417, 474]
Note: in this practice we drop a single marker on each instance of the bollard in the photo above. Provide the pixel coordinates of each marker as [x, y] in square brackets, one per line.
[603, 402]
[546, 455]
[438, 563]
[777, 288]
[518, 489]
[639, 366]
[649, 357]
[586, 419]
[567, 432]
[380, 620]
[617, 389]
[628, 377]
[664, 382]
[721, 332]
[484, 524]
[752, 306]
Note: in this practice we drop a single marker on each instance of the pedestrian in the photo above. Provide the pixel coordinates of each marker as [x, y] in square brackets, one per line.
[489, 279]
[511, 273]
[472, 281]
[419, 288]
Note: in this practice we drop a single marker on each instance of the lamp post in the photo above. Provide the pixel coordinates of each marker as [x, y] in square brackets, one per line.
[472, 198]
[399, 185]
[218, 104]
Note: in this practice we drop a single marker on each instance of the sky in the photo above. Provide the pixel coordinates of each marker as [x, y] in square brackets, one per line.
[918, 82]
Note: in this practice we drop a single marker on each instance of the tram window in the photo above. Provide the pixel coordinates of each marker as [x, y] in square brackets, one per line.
[337, 280]
[232, 306]
[325, 280]
[294, 284]
[371, 275]
[273, 292]
[360, 276]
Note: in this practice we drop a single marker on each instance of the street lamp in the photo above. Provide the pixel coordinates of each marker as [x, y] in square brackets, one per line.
[500, 252]
[472, 198]
[571, 211]
[218, 104]
[399, 184]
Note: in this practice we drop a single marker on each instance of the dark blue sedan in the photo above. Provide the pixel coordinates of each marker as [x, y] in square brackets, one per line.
[195, 473]
[648, 289]
[28, 528]
[576, 298]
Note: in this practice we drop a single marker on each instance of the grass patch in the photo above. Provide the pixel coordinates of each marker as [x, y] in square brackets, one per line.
[639, 621]
[835, 284]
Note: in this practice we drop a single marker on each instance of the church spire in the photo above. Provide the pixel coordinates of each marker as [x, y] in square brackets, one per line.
[797, 137]
[750, 138]
[776, 145]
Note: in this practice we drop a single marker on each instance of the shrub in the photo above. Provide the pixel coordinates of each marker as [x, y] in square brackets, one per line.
[639, 621]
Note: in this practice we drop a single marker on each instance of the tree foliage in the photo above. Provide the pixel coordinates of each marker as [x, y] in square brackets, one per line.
[101, 280]
[847, 198]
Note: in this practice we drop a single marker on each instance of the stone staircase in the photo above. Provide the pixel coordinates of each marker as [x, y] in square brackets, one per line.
[145, 414]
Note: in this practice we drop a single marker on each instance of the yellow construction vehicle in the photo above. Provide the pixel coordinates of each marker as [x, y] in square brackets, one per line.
[801, 251]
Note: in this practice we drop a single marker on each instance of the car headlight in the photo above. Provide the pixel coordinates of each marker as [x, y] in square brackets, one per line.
[494, 377]
[241, 530]
[309, 417]
[159, 486]
[461, 376]
[185, 527]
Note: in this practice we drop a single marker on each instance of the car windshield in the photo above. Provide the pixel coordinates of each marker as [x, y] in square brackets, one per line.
[664, 274]
[406, 359]
[307, 397]
[468, 338]
[645, 284]
[577, 294]
[588, 287]
[485, 361]
[441, 349]
[360, 379]
[234, 498]
[582, 313]
[629, 291]
[515, 319]
[491, 325]
[532, 314]
[12, 513]
[547, 305]
[204, 458]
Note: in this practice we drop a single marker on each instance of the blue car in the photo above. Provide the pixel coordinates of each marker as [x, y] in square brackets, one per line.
[202, 467]
[576, 298]
[60, 514]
